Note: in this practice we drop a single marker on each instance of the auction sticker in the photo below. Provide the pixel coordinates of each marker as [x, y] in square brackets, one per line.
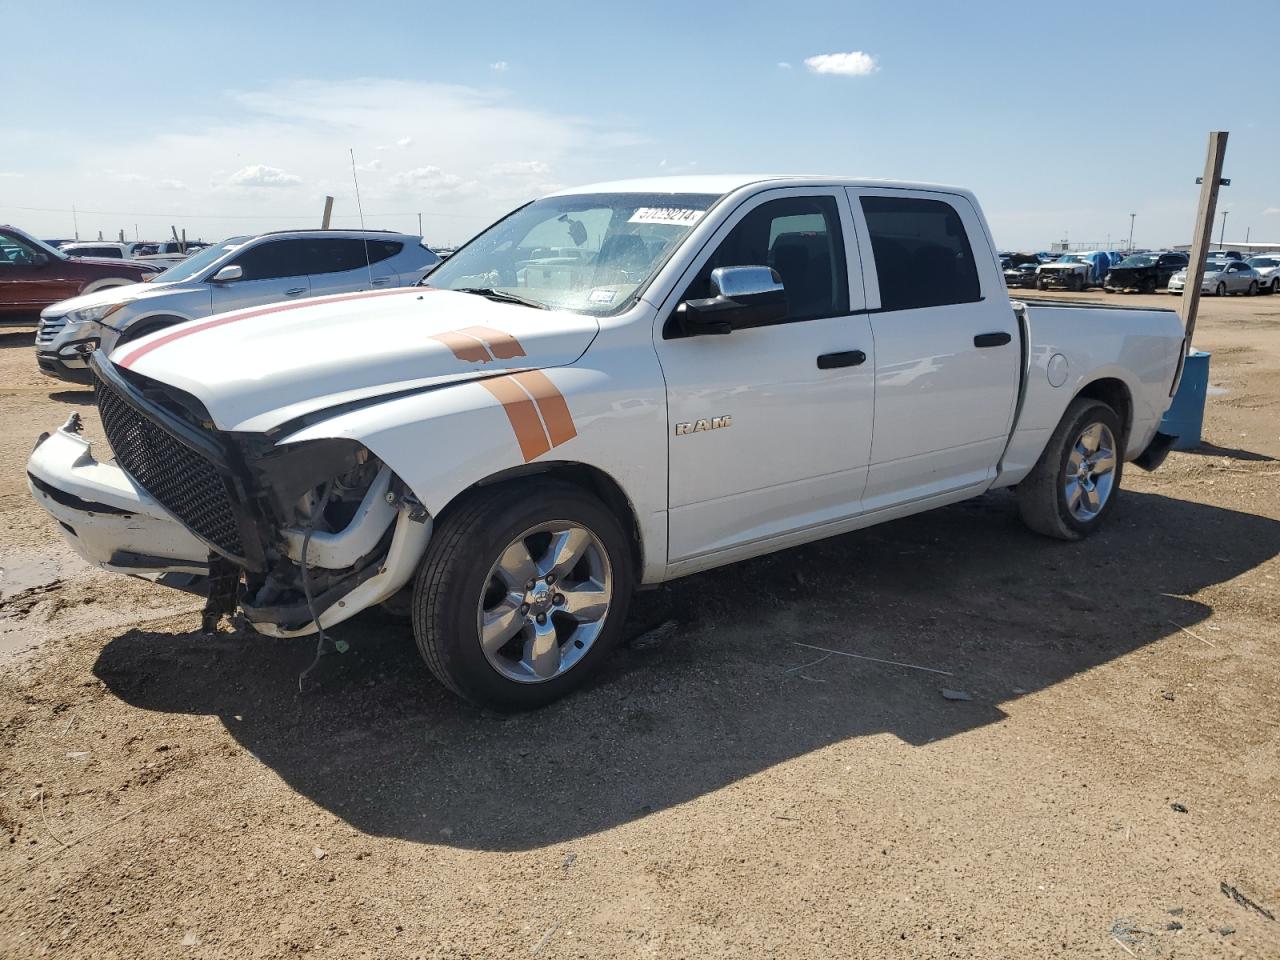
[677, 216]
[602, 295]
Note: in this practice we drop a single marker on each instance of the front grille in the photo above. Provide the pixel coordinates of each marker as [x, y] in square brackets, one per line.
[49, 329]
[185, 482]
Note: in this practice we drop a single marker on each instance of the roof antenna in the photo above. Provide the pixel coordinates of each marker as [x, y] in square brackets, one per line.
[360, 207]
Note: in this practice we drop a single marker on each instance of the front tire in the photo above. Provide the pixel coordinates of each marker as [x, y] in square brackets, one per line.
[1253, 289]
[1220, 290]
[1074, 484]
[145, 328]
[522, 593]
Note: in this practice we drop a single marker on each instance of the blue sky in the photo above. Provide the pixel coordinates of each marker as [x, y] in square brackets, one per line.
[237, 116]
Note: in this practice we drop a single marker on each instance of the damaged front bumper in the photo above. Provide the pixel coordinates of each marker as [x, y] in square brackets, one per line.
[107, 518]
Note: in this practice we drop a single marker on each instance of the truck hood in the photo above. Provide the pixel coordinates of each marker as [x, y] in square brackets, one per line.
[1064, 266]
[129, 265]
[255, 369]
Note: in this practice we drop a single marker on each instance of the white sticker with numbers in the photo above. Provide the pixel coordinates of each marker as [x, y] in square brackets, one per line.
[676, 216]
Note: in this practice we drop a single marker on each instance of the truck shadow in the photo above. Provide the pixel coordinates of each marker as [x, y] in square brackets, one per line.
[964, 590]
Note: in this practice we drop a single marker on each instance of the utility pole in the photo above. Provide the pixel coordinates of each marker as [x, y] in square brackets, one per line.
[1132, 216]
[1209, 184]
[419, 224]
[75, 221]
[1222, 243]
[328, 213]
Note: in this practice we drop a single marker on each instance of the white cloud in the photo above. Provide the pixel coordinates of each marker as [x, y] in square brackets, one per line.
[260, 175]
[492, 150]
[371, 165]
[852, 64]
[1271, 211]
[171, 184]
[11, 173]
[783, 65]
[518, 168]
[125, 177]
[500, 66]
[431, 181]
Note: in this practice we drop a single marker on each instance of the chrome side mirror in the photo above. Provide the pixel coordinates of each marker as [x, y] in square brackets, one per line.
[231, 271]
[741, 297]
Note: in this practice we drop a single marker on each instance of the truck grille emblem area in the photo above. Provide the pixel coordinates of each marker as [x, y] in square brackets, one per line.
[184, 482]
[701, 426]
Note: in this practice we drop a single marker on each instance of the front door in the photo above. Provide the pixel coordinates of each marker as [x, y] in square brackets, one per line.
[764, 439]
[947, 345]
[274, 270]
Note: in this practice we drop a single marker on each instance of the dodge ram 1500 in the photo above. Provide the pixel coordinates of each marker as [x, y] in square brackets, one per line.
[610, 387]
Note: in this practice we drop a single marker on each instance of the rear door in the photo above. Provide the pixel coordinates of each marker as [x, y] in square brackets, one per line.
[274, 270]
[766, 436]
[947, 345]
[344, 264]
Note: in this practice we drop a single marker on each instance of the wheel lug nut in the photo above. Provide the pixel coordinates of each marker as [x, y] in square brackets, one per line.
[558, 599]
[542, 618]
[524, 608]
[529, 585]
[551, 578]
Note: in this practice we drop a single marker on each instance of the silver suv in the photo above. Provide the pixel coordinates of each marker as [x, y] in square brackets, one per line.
[240, 272]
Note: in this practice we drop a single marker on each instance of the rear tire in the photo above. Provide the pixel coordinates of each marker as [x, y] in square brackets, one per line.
[1253, 289]
[467, 580]
[1220, 290]
[1275, 285]
[1057, 498]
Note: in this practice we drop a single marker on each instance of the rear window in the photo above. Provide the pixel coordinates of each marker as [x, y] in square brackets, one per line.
[922, 254]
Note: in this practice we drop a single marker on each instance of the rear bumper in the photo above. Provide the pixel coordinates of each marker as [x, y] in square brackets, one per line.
[106, 517]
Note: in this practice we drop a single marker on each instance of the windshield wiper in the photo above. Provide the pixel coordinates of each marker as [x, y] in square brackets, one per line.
[501, 296]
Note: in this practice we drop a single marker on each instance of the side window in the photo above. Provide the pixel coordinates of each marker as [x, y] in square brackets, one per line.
[380, 250]
[15, 251]
[275, 259]
[923, 257]
[335, 256]
[800, 238]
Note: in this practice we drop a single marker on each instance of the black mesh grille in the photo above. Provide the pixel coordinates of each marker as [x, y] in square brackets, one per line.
[182, 480]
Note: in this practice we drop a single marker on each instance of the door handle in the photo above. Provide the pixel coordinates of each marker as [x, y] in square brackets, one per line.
[848, 358]
[381, 281]
[992, 339]
[294, 291]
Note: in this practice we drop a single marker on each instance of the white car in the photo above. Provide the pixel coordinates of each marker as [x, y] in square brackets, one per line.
[108, 249]
[1221, 277]
[611, 387]
[1267, 266]
[241, 272]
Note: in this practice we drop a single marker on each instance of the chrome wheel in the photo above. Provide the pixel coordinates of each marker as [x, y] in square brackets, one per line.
[545, 602]
[1090, 472]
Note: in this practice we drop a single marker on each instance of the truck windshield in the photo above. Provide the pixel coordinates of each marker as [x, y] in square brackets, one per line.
[589, 253]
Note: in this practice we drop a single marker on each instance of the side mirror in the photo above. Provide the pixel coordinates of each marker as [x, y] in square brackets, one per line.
[39, 259]
[228, 273]
[741, 297]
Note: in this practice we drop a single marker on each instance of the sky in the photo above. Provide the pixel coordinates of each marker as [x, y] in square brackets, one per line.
[238, 117]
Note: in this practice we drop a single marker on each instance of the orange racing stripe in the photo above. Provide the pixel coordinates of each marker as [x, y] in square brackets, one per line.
[551, 404]
[464, 346]
[522, 414]
[502, 345]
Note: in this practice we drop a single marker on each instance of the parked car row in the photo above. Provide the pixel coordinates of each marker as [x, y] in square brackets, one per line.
[1224, 275]
[237, 273]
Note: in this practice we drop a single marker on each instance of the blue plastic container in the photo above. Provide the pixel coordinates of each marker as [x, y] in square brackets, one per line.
[1185, 418]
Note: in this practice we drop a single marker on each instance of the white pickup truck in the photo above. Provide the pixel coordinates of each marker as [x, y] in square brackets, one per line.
[611, 387]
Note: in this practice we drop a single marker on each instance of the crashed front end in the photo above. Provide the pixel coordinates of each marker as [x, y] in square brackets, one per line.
[291, 533]
[1131, 279]
[1053, 275]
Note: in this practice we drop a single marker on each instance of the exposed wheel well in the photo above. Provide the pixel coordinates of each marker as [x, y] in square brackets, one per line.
[1116, 395]
[591, 480]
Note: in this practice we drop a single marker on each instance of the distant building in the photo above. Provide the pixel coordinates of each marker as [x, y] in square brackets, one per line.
[1253, 246]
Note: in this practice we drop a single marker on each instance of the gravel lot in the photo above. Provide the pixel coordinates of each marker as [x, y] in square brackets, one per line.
[1112, 788]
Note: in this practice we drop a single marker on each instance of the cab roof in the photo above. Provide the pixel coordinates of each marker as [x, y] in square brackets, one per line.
[720, 184]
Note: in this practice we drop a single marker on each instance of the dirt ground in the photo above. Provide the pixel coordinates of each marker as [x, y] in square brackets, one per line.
[1112, 788]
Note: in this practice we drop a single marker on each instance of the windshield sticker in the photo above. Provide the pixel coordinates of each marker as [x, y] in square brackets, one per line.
[676, 216]
[601, 295]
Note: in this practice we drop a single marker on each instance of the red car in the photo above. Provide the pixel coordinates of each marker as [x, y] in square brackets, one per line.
[34, 275]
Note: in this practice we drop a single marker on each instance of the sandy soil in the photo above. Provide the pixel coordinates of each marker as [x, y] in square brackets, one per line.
[1113, 780]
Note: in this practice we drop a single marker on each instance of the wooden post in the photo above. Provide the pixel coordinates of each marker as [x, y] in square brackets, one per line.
[1204, 227]
[328, 213]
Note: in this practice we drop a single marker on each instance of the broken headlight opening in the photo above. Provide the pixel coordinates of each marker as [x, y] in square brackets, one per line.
[327, 512]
